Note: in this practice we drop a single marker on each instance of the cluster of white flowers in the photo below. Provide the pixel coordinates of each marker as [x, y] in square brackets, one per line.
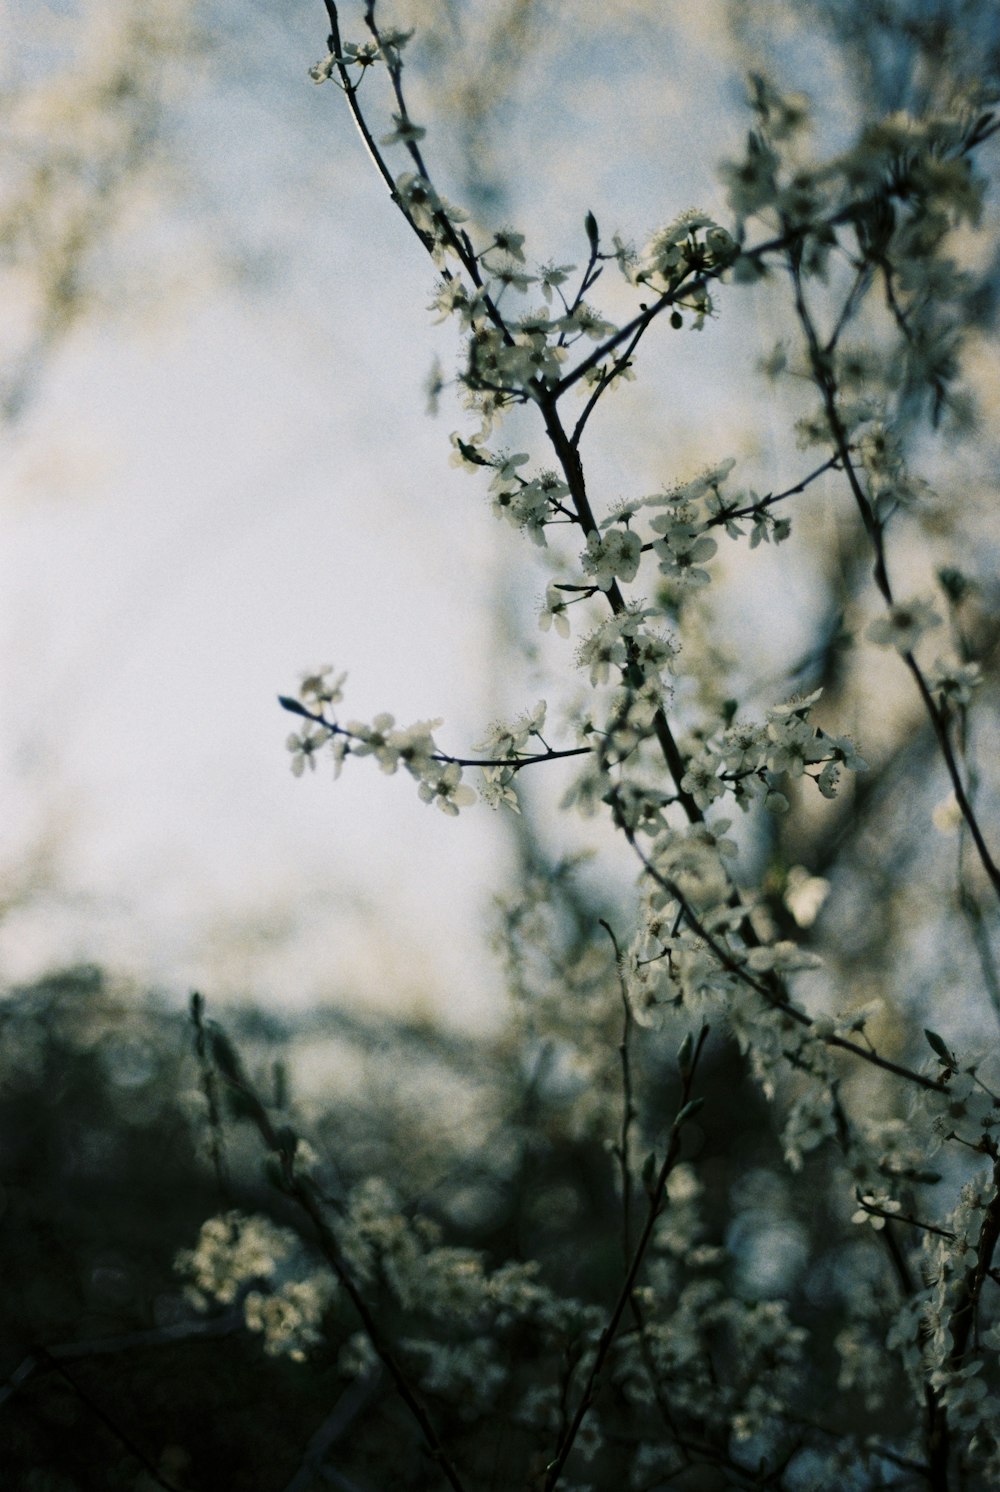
[233, 1250]
[675, 250]
[236, 1251]
[509, 741]
[740, 1396]
[439, 777]
[290, 1318]
[526, 505]
[751, 761]
[620, 641]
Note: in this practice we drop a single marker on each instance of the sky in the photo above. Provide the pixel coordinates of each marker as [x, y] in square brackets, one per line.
[227, 477]
[213, 493]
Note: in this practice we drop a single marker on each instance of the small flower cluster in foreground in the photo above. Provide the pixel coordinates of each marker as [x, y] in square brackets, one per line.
[439, 778]
[235, 1252]
[438, 775]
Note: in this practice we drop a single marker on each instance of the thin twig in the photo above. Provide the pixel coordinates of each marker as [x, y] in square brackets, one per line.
[774, 997]
[210, 1088]
[874, 1210]
[515, 763]
[657, 1200]
[751, 509]
[822, 369]
[282, 1147]
[155, 1336]
[628, 1100]
[352, 1403]
[110, 1424]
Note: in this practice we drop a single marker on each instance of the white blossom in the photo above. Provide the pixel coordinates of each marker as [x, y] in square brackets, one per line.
[683, 550]
[612, 556]
[553, 612]
[443, 785]
[510, 739]
[305, 745]
[904, 625]
[232, 1251]
[289, 1319]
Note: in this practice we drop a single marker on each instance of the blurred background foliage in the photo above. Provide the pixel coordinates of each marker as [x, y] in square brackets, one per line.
[113, 1380]
[114, 208]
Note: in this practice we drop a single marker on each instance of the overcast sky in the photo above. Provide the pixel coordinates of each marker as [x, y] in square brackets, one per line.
[233, 479]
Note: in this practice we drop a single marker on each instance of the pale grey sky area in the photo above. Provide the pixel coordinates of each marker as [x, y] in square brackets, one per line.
[226, 476]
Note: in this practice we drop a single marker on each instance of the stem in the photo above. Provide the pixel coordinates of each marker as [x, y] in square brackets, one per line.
[628, 1102]
[108, 1422]
[606, 380]
[210, 1088]
[282, 1147]
[569, 460]
[752, 509]
[775, 997]
[823, 377]
[516, 763]
[964, 1314]
[607, 1337]
[455, 241]
[941, 732]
